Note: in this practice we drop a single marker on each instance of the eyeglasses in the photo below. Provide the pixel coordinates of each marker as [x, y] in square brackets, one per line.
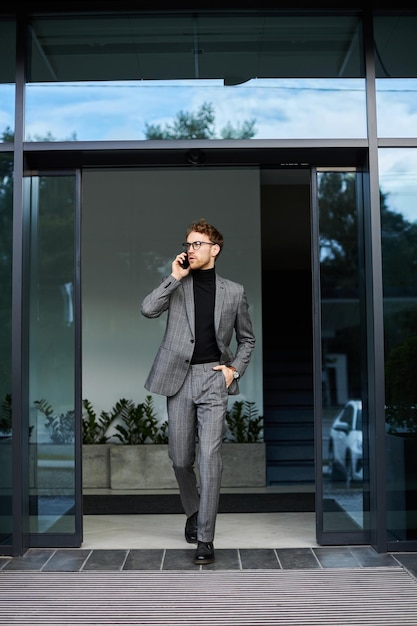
[196, 245]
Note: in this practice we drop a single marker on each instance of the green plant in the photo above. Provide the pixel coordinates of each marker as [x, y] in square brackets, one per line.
[94, 428]
[6, 414]
[244, 425]
[60, 425]
[134, 423]
[139, 423]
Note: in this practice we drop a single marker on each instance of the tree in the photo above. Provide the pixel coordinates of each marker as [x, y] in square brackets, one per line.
[340, 264]
[338, 233]
[341, 267]
[199, 125]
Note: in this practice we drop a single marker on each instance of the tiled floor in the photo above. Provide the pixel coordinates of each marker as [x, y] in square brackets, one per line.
[77, 560]
[269, 541]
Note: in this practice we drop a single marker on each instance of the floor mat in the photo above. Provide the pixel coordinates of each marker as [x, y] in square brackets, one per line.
[342, 597]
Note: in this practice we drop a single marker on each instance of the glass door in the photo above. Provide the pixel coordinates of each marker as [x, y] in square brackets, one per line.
[342, 486]
[53, 410]
[399, 241]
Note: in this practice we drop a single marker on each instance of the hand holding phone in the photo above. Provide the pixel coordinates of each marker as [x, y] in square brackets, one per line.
[185, 263]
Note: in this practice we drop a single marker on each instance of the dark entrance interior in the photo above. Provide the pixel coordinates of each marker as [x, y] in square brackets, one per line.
[287, 327]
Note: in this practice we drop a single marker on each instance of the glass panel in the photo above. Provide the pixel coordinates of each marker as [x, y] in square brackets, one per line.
[396, 45]
[7, 78]
[343, 360]
[396, 70]
[217, 76]
[6, 239]
[397, 107]
[51, 355]
[398, 181]
[199, 109]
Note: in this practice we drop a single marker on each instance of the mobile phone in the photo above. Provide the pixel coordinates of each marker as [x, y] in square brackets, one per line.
[185, 263]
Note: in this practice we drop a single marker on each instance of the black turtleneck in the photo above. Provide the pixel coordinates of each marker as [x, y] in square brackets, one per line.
[206, 349]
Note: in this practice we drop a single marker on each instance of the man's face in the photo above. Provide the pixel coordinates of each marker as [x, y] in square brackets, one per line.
[203, 258]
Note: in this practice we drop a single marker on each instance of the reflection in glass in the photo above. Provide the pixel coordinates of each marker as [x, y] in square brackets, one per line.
[395, 45]
[7, 77]
[130, 111]
[343, 358]
[110, 77]
[398, 179]
[396, 72]
[396, 107]
[51, 355]
[7, 96]
[6, 238]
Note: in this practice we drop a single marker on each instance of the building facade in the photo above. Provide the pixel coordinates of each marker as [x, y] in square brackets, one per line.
[293, 128]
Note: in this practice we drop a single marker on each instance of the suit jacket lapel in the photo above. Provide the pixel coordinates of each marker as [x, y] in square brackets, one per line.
[187, 284]
[218, 306]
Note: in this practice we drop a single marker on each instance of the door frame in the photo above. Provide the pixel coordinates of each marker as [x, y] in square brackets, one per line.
[74, 157]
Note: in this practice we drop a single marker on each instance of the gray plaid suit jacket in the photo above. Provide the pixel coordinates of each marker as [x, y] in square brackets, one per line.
[173, 358]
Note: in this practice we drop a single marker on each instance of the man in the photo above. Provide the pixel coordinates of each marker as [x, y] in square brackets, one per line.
[196, 369]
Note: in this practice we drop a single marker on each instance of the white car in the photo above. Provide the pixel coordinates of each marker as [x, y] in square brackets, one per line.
[345, 456]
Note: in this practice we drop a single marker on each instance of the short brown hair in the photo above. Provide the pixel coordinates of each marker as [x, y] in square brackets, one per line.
[203, 227]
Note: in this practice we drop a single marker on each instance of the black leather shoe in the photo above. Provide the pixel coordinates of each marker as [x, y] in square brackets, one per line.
[204, 553]
[191, 528]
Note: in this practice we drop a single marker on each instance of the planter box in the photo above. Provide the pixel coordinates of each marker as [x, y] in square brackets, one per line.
[244, 465]
[124, 467]
[141, 467]
[96, 466]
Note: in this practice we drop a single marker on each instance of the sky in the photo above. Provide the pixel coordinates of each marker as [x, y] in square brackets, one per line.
[120, 111]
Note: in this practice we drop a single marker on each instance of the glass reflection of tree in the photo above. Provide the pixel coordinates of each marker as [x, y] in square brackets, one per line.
[399, 245]
[339, 278]
[340, 265]
[338, 234]
[200, 125]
